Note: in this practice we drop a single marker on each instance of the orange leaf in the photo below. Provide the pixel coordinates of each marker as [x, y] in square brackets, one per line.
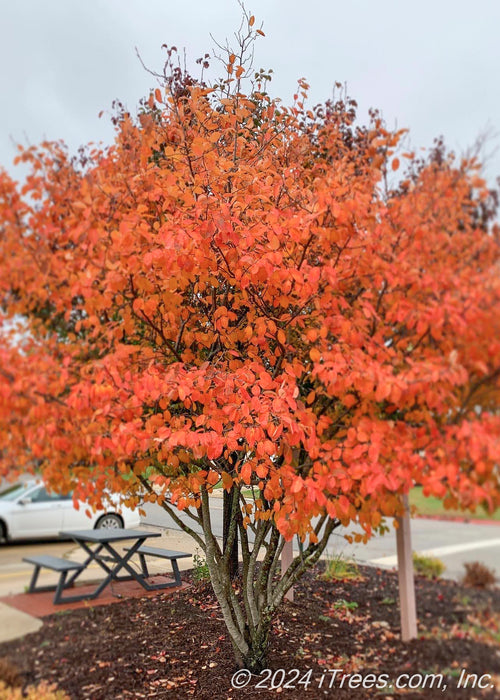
[314, 354]
[262, 471]
[212, 477]
[246, 472]
[227, 480]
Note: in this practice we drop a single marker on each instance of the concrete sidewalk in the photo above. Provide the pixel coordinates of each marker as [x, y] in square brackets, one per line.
[15, 623]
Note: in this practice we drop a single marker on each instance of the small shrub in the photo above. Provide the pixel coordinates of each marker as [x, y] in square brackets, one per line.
[345, 605]
[339, 569]
[200, 569]
[43, 691]
[10, 675]
[478, 575]
[388, 601]
[430, 567]
[463, 600]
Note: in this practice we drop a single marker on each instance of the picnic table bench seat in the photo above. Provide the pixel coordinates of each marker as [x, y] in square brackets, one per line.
[47, 561]
[145, 550]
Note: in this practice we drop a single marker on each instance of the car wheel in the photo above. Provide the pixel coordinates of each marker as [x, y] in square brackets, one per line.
[3, 533]
[109, 521]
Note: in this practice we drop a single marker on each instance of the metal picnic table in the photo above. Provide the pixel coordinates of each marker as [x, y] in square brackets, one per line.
[100, 547]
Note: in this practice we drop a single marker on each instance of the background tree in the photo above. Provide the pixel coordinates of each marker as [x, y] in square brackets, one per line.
[232, 294]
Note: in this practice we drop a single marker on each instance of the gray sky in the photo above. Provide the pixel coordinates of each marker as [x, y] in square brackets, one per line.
[430, 66]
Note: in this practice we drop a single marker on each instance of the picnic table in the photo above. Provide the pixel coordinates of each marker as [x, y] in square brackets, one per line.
[100, 547]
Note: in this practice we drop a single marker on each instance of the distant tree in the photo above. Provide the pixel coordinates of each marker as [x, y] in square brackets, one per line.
[232, 294]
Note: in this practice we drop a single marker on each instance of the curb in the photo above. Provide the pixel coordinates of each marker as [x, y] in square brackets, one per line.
[458, 519]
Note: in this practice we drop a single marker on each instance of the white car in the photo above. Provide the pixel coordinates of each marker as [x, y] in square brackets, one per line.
[29, 511]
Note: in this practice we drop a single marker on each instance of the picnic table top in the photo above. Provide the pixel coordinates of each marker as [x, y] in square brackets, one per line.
[108, 535]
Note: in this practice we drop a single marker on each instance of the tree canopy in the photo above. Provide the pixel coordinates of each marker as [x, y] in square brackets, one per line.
[234, 293]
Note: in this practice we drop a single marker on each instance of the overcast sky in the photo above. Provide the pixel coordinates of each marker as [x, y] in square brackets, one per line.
[431, 66]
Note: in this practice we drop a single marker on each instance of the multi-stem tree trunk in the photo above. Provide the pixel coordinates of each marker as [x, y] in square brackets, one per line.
[249, 607]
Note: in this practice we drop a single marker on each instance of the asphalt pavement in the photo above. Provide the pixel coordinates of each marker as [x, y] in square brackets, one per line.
[454, 543]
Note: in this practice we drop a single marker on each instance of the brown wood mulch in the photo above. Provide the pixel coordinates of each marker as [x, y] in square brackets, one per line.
[176, 647]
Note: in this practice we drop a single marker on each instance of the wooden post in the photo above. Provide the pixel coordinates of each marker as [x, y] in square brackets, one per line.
[286, 560]
[405, 573]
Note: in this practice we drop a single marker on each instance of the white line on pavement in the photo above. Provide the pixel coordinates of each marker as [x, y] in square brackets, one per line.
[442, 551]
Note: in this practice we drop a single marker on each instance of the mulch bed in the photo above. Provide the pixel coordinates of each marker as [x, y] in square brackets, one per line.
[175, 646]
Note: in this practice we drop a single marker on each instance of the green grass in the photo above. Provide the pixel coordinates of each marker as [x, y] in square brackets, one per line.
[430, 567]
[433, 506]
[339, 569]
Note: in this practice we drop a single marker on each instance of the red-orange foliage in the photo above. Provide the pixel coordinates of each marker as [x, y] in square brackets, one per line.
[231, 293]
[181, 301]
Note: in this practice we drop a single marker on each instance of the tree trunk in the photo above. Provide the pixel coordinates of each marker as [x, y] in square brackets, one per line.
[226, 523]
[255, 659]
[249, 607]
